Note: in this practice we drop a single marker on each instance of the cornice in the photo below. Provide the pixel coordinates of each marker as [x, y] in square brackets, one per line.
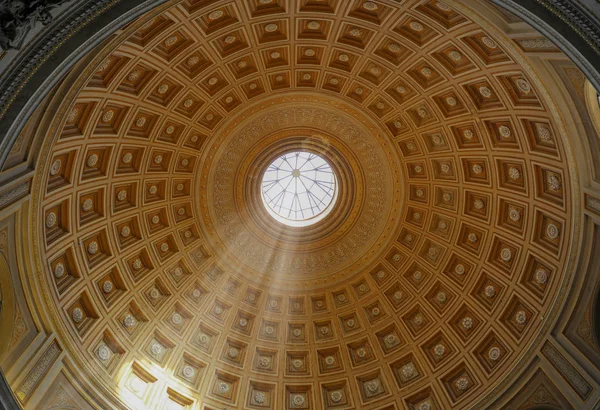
[577, 18]
[42, 63]
[572, 25]
[17, 75]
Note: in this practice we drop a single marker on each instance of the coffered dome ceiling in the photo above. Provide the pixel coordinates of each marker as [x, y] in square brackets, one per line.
[439, 269]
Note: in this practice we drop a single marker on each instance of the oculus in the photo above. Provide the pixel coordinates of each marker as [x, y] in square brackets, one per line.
[299, 188]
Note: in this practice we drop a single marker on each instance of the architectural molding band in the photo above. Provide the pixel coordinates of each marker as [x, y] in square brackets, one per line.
[578, 18]
[43, 62]
[573, 25]
[18, 18]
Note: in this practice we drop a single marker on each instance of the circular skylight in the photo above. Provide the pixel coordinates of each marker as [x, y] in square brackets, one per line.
[299, 188]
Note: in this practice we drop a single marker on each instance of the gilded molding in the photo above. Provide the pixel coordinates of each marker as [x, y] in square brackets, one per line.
[566, 369]
[45, 48]
[14, 194]
[37, 373]
[577, 19]
[592, 204]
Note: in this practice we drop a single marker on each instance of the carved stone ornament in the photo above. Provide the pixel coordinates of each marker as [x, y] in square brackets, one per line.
[18, 17]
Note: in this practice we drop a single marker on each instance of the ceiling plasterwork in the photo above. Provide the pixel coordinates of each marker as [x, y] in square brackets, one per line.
[432, 276]
[367, 220]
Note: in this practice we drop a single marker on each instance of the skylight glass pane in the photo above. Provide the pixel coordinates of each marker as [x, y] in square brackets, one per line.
[299, 188]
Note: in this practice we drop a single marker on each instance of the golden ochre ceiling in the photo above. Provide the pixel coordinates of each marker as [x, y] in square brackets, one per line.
[436, 273]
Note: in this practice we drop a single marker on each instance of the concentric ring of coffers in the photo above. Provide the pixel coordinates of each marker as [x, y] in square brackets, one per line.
[158, 159]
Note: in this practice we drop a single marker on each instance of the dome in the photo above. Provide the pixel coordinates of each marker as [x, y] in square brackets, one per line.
[311, 204]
